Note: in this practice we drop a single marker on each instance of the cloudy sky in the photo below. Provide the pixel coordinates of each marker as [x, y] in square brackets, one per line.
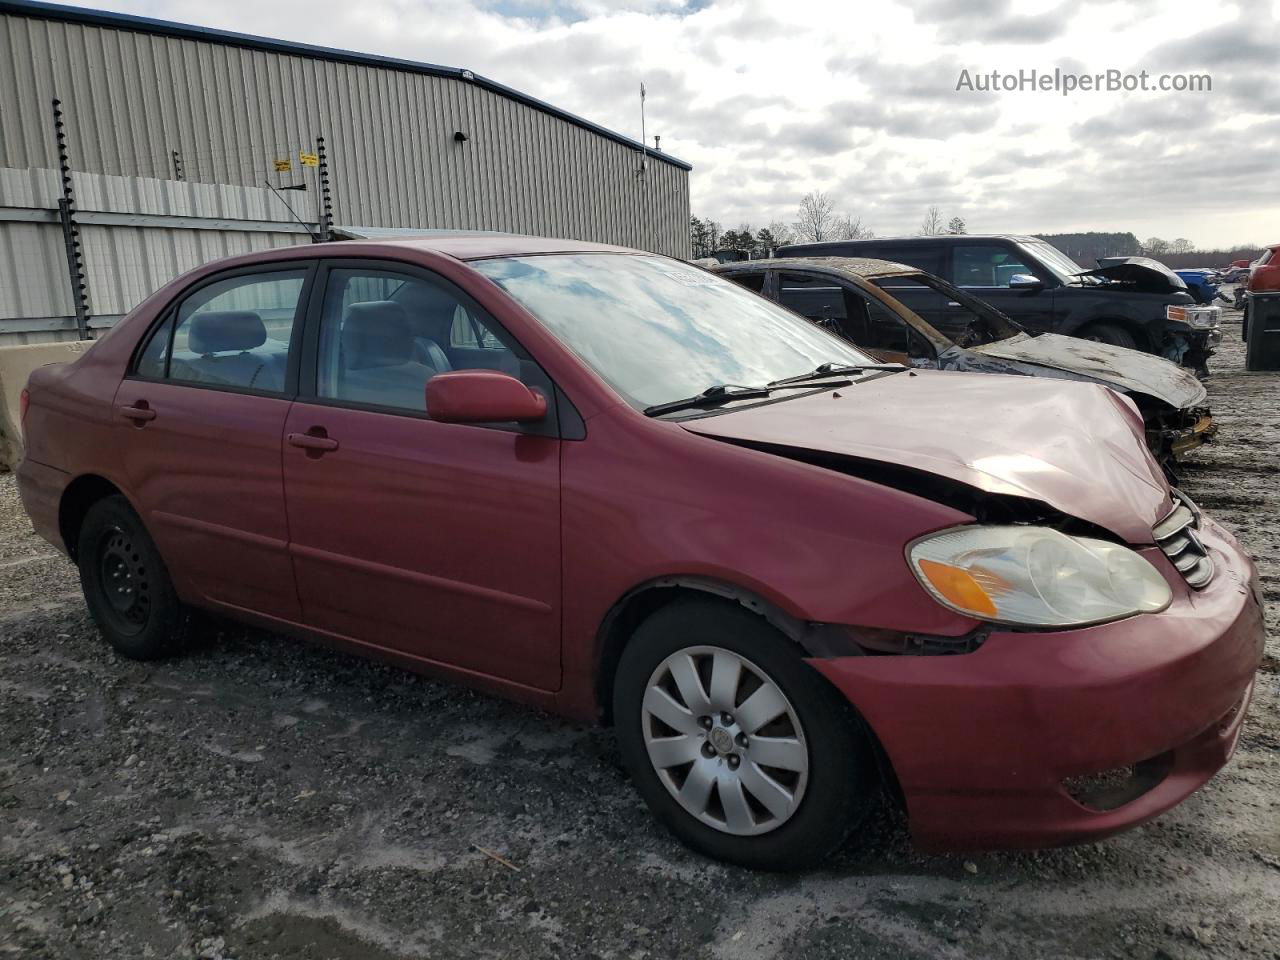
[769, 100]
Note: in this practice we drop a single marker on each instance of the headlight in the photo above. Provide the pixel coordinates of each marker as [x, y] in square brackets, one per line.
[1036, 576]
[1201, 318]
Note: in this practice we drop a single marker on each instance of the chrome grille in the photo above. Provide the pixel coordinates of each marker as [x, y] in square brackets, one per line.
[1177, 536]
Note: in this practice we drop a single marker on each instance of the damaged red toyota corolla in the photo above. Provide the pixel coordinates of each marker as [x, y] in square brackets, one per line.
[618, 487]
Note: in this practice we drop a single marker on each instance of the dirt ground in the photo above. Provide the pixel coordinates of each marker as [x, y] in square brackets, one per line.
[262, 798]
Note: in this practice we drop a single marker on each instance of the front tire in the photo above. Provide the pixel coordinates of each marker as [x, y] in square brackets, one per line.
[126, 585]
[1110, 333]
[740, 748]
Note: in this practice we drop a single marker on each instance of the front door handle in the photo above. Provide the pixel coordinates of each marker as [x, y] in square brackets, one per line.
[139, 413]
[315, 441]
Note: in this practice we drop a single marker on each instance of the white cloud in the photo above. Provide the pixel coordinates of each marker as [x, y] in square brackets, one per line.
[769, 100]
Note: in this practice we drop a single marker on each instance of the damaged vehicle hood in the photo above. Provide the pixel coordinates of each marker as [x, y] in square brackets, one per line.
[1149, 276]
[1130, 370]
[1075, 446]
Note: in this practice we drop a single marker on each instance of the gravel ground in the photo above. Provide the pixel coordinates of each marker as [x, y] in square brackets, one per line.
[263, 798]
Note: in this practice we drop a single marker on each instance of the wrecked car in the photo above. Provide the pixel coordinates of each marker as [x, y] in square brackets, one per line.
[796, 580]
[850, 297]
[1121, 303]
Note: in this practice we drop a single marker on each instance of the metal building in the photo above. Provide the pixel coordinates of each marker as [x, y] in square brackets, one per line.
[409, 145]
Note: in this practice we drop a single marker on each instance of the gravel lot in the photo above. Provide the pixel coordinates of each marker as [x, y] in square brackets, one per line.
[263, 798]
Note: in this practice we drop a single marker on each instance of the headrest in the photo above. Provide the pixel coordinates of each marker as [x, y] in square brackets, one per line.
[223, 330]
[430, 310]
[376, 334]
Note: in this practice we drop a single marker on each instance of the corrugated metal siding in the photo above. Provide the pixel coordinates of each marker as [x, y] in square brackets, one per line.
[124, 263]
[131, 97]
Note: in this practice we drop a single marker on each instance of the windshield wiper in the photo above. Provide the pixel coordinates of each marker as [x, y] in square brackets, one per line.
[829, 368]
[710, 397]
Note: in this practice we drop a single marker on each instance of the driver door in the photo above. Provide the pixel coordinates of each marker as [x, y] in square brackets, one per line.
[440, 541]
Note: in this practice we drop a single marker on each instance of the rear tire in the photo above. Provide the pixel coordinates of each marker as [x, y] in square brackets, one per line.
[769, 816]
[126, 585]
[1110, 333]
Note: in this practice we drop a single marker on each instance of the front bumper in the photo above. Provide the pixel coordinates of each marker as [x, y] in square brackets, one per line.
[988, 747]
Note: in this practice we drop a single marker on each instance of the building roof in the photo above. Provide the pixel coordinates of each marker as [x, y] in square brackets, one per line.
[167, 28]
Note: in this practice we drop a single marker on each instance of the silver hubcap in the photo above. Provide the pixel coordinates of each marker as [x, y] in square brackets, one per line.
[725, 740]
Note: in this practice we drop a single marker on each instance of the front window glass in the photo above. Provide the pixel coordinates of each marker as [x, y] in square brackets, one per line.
[983, 266]
[383, 335]
[1056, 260]
[658, 330]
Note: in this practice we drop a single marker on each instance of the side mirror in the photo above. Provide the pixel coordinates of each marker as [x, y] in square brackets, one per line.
[482, 396]
[1025, 281]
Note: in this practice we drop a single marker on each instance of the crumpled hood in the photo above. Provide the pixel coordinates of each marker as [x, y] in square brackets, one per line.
[1149, 276]
[1130, 370]
[1075, 446]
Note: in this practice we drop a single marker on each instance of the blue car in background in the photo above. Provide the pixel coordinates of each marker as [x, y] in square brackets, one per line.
[1201, 286]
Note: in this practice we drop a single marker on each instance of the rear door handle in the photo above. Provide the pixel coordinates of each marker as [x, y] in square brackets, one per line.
[314, 440]
[140, 413]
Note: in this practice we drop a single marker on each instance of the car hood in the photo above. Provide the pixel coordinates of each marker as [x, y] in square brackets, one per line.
[1130, 370]
[1075, 446]
[1149, 276]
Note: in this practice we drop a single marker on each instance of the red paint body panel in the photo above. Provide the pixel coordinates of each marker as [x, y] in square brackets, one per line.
[1265, 277]
[997, 439]
[438, 540]
[495, 557]
[201, 446]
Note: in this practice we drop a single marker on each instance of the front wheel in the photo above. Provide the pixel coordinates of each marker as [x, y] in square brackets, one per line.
[126, 585]
[1110, 333]
[739, 747]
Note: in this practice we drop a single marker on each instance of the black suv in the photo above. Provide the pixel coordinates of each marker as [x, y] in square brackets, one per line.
[1121, 303]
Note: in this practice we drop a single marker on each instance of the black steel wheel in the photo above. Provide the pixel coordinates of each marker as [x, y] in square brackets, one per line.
[126, 585]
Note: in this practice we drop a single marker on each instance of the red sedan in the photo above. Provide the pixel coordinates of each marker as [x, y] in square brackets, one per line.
[618, 487]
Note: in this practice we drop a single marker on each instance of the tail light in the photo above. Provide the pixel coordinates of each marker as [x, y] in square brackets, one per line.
[24, 401]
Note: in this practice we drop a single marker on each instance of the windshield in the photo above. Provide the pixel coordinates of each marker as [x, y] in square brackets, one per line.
[1057, 261]
[658, 330]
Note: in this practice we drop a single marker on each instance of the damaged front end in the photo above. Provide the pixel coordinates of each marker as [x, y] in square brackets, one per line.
[1171, 400]
[1191, 335]
[1172, 434]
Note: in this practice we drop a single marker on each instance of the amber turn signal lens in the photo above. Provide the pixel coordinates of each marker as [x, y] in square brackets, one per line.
[958, 587]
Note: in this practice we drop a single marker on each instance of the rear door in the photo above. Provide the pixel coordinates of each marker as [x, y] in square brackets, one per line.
[436, 540]
[199, 420]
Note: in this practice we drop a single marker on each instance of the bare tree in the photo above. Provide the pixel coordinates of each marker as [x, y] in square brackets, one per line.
[1155, 247]
[1181, 245]
[932, 223]
[850, 228]
[769, 238]
[781, 232]
[816, 218]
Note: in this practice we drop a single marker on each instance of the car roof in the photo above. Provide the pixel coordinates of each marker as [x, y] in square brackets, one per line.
[479, 245]
[933, 238]
[867, 268]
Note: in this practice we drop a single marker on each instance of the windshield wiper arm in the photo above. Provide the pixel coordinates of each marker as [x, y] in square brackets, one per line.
[710, 397]
[828, 369]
